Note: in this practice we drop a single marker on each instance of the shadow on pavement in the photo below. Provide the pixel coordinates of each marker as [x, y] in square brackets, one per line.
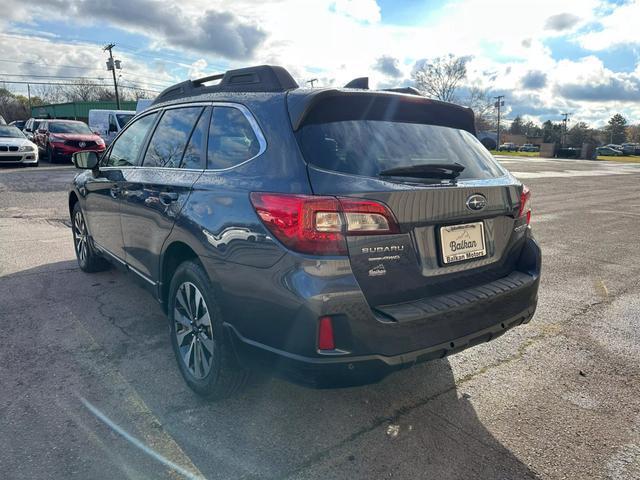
[102, 337]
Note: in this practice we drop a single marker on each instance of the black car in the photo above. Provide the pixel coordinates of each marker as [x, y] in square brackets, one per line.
[335, 235]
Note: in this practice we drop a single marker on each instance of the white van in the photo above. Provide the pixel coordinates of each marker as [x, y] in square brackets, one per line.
[107, 123]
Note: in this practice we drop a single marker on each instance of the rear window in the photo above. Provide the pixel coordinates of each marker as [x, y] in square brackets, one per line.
[367, 147]
[123, 118]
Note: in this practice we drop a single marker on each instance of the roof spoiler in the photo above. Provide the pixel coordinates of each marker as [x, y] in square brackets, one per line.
[262, 78]
[327, 105]
[363, 84]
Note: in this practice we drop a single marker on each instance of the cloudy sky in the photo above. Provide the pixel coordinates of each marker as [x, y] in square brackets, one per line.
[546, 57]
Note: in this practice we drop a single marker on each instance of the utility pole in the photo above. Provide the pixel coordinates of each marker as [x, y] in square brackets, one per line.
[29, 97]
[312, 81]
[565, 120]
[499, 103]
[112, 65]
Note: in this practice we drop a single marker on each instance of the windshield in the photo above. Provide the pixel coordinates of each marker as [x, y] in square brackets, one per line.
[69, 127]
[10, 132]
[124, 118]
[367, 147]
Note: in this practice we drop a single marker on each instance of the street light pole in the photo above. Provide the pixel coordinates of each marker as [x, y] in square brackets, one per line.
[111, 65]
[564, 124]
[498, 104]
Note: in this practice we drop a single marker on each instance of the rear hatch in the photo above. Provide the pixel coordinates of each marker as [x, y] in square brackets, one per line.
[456, 209]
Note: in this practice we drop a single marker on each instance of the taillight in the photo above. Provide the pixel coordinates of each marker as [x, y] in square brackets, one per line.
[525, 204]
[319, 225]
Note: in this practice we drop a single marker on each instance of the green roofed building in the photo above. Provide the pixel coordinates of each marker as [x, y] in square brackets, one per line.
[76, 110]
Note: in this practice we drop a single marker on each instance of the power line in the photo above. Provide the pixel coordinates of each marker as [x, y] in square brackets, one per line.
[48, 65]
[168, 83]
[50, 76]
[69, 84]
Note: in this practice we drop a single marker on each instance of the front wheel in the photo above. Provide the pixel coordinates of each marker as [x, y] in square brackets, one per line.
[205, 358]
[88, 259]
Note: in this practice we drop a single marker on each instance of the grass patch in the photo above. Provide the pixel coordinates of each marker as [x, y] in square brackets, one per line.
[621, 159]
[516, 154]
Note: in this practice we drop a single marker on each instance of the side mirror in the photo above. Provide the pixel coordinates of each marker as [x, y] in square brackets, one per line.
[85, 160]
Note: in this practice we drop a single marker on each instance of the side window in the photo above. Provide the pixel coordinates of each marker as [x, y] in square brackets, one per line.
[170, 137]
[231, 139]
[194, 153]
[125, 149]
[113, 126]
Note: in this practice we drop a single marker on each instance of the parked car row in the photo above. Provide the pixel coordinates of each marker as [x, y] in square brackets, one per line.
[57, 139]
[53, 139]
[512, 147]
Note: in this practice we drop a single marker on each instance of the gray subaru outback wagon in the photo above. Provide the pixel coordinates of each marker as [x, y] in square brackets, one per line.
[335, 235]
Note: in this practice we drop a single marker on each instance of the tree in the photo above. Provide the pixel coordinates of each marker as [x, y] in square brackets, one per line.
[551, 132]
[440, 78]
[581, 133]
[517, 126]
[617, 129]
[532, 130]
[633, 133]
[481, 103]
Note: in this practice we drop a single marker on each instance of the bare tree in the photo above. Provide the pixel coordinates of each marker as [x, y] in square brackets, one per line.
[50, 93]
[440, 78]
[81, 91]
[481, 103]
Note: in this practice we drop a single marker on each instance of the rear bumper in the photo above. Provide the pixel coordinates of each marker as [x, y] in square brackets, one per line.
[278, 327]
[373, 343]
[332, 372]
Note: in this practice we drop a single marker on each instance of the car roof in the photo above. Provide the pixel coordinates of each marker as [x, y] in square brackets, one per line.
[254, 83]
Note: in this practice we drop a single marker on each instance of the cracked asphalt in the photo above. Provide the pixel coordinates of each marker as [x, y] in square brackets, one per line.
[86, 369]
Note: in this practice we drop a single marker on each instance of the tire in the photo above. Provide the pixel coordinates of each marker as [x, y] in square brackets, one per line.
[205, 357]
[88, 259]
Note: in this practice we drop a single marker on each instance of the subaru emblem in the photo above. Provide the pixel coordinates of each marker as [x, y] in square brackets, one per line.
[476, 202]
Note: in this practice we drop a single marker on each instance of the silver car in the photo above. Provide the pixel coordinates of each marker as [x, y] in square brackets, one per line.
[15, 148]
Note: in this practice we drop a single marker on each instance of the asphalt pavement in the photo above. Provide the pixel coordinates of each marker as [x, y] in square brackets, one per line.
[89, 388]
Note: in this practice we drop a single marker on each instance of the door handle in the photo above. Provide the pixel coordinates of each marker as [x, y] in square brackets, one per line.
[168, 197]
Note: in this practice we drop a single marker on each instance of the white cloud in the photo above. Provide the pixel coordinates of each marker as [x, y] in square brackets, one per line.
[361, 10]
[618, 27]
[338, 40]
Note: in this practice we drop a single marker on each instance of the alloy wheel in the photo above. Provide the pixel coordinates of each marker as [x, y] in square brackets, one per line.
[193, 330]
[80, 237]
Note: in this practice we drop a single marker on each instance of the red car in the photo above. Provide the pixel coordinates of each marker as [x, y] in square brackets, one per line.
[59, 139]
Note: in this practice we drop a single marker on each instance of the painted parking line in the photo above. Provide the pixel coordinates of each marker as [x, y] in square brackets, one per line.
[574, 173]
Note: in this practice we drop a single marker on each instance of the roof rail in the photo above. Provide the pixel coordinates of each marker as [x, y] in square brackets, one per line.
[261, 78]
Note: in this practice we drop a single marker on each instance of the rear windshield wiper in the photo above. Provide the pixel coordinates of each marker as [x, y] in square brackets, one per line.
[427, 170]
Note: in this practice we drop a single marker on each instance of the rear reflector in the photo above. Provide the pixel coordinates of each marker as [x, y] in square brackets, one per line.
[525, 204]
[319, 225]
[325, 334]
